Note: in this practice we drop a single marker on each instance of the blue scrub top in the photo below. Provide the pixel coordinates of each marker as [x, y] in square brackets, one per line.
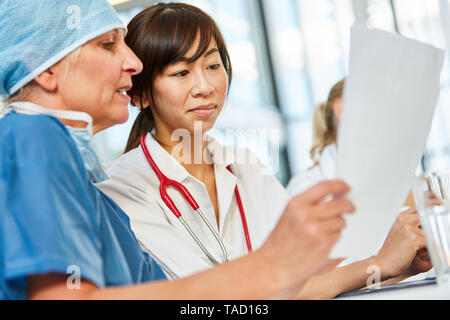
[53, 219]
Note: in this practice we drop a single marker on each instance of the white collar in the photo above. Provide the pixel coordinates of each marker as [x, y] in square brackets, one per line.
[225, 180]
[221, 156]
[30, 108]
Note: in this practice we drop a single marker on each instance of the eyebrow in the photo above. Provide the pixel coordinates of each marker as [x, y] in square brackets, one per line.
[210, 52]
[114, 32]
[207, 54]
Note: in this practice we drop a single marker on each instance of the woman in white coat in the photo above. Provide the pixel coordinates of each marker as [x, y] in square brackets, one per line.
[326, 118]
[182, 88]
[187, 78]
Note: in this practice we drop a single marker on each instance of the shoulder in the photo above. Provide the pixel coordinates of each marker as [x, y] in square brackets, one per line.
[329, 152]
[253, 172]
[245, 163]
[127, 164]
[302, 181]
[40, 142]
[324, 170]
[327, 162]
[129, 179]
[237, 157]
[37, 124]
[43, 134]
[247, 160]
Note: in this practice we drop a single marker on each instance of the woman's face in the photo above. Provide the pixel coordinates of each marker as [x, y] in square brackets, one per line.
[337, 108]
[97, 82]
[184, 93]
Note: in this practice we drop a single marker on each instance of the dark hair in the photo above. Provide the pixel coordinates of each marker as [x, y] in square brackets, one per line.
[159, 36]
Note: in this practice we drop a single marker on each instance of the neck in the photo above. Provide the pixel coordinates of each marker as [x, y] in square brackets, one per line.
[190, 151]
[52, 102]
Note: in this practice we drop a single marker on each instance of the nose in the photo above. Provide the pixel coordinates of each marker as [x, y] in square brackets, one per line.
[202, 86]
[131, 63]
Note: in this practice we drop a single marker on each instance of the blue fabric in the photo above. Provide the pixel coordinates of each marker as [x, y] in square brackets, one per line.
[52, 216]
[36, 34]
[83, 139]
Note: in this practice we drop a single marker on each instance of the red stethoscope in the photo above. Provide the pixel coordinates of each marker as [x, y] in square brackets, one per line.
[165, 182]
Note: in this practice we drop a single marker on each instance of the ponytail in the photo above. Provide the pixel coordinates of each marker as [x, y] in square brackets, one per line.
[325, 123]
[324, 129]
[143, 124]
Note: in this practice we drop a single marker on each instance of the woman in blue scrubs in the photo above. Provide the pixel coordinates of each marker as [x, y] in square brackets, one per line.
[66, 69]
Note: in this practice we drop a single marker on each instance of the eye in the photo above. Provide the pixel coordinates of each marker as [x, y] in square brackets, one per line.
[108, 45]
[181, 73]
[214, 66]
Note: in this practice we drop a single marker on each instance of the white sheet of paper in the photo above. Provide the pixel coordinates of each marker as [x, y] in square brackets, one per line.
[390, 96]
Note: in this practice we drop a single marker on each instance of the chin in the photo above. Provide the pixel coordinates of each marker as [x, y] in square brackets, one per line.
[123, 119]
[120, 116]
[206, 125]
[112, 123]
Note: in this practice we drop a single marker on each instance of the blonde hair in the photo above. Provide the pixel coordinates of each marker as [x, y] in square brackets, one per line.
[23, 92]
[325, 123]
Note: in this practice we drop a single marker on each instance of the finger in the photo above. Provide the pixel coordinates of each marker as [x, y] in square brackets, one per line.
[409, 213]
[420, 243]
[419, 232]
[415, 234]
[328, 227]
[412, 226]
[432, 199]
[410, 210]
[335, 207]
[409, 218]
[423, 251]
[323, 189]
[423, 254]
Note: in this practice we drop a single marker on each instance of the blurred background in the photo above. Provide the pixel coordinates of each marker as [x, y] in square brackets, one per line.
[286, 55]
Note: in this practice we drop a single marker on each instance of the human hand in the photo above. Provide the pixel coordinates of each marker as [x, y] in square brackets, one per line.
[421, 263]
[307, 230]
[404, 250]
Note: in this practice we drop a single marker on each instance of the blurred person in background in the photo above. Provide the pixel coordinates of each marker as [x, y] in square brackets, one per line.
[326, 117]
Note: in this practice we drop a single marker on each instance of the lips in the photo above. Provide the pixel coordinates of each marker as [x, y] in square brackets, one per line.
[204, 110]
[122, 91]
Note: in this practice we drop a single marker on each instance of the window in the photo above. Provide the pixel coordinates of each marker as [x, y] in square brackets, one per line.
[250, 118]
[286, 56]
[310, 45]
[423, 21]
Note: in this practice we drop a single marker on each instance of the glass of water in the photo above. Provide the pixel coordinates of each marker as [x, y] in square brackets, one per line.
[432, 196]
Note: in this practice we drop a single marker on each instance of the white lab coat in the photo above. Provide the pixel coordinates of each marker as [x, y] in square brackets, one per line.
[135, 188]
[324, 170]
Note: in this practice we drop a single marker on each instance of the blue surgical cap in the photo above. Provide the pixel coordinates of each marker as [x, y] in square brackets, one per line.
[36, 34]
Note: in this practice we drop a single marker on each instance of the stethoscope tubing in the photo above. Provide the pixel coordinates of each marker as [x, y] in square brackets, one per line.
[164, 183]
